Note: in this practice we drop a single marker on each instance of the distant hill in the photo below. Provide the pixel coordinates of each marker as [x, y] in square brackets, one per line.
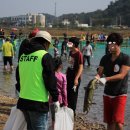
[120, 11]
[49, 18]
[117, 13]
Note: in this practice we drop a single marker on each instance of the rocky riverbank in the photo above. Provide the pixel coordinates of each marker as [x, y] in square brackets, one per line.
[81, 122]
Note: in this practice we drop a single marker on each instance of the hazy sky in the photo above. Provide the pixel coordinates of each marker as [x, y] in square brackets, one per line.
[18, 7]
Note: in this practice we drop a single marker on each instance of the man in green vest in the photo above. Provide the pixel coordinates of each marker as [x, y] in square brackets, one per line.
[35, 81]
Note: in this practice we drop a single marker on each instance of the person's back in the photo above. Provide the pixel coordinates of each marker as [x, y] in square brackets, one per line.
[56, 42]
[8, 53]
[64, 47]
[1, 34]
[61, 87]
[61, 82]
[7, 49]
[12, 35]
[35, 80]
[56, 51]
[88, 50]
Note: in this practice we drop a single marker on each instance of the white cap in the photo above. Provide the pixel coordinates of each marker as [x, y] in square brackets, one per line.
[45, 35]
[69, 44]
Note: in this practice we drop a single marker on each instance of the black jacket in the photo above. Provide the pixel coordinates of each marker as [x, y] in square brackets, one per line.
[48, 75]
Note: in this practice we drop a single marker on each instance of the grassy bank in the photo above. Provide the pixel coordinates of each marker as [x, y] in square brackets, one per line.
[71, 32]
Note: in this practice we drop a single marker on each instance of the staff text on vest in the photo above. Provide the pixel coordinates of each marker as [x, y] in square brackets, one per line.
[28, 58]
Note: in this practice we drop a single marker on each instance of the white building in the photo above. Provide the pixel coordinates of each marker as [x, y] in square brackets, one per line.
[83, 25]
[22, 19]
[37, 19]
[40, 18]
[65, 22]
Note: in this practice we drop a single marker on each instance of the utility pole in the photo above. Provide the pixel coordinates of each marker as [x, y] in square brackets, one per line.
[120, 20]
[91, 22]
[55, 9]
[67, 29]
[116, 21]
[56, 19]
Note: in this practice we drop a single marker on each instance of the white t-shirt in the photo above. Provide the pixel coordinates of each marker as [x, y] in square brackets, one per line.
[87, 50]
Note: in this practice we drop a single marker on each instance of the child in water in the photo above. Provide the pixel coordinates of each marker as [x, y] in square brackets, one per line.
[56, 51]
[61, 86]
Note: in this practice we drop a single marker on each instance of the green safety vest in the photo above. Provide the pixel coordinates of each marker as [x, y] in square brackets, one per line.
[32, 85]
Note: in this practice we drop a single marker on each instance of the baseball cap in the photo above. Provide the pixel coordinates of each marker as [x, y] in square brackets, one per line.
[33, 33]
[45, 35]
[73, 41]
[69, 44]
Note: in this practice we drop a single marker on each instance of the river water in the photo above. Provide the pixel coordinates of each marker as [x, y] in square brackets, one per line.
[7, 86]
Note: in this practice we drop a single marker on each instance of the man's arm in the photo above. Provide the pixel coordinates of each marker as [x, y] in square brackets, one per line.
[49, 76]
[124, 71]
[83, 49]
[17, 85]
[100, 70]
[80, 69]
[2, 47]
[91, 51]
[78, 74]
[12, 51]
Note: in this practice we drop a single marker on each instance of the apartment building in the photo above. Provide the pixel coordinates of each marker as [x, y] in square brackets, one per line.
[28, 19]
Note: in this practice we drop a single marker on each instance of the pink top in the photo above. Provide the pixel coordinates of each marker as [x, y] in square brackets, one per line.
[62, 88]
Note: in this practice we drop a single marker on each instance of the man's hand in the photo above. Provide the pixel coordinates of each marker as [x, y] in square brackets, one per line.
[97, 77]
[57, 106]
[74, 88]
[76, 82]
[103, 81]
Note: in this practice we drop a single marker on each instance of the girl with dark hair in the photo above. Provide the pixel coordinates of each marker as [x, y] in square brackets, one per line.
[61, 86]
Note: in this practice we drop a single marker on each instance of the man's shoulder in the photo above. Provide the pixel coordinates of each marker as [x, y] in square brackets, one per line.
[47, 57]
[106, 57]
[64, 43]
[80, 53]
[124, 55]
[7, 43]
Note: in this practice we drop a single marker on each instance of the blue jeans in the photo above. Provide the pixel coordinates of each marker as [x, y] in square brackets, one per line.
[36, 120]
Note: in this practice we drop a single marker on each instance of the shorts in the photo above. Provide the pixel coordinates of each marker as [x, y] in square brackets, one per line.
[8, 59]
[114, 109]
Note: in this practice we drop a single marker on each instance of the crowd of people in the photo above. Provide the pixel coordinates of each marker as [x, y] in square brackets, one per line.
[45, 87]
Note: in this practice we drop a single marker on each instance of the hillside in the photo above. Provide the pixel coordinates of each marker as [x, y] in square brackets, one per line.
[117, 13]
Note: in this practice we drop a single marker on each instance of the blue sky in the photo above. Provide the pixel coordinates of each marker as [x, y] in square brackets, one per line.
[18, 7]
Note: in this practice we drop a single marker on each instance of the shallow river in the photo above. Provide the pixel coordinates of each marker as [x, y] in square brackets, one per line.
[7, 83]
